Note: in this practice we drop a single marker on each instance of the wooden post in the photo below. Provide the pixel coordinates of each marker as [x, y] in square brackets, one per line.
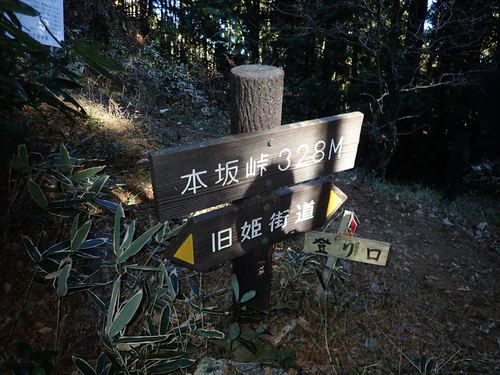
[256, 101]
[256, 98]
[332, 261]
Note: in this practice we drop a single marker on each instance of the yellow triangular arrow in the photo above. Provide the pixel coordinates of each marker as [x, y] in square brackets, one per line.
[337, 197]
[186, 251]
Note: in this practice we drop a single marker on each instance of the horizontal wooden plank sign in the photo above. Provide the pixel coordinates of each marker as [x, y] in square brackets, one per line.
[189, 178]
[345, 247]
[210, 239]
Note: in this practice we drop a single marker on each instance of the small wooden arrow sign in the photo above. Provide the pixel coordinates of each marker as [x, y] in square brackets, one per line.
[350, 248]
[210, 239]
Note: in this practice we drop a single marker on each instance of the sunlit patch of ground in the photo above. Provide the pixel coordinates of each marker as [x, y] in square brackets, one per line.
[117, 133]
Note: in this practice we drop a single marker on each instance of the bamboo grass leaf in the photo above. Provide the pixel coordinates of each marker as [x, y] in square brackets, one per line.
[129, 235]
[138, 244]
[32, 250]
[210, 334]
[248, 296]
[82, 366]
[37, 194]
[62, 280]
[113, 303]
[119, 214]
[235, 286]
[80, 235]
[86, 173]
[125, 315]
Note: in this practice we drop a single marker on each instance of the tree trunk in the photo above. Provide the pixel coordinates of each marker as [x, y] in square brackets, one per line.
[415, 32]
[252, 20]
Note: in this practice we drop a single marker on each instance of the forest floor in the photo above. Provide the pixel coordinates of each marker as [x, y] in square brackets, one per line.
[436, 303]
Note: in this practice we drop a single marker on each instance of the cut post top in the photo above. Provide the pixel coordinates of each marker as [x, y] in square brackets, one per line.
[257, 71]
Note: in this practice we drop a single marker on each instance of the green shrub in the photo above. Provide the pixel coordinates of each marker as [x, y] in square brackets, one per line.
[31, 73]
[71, 186]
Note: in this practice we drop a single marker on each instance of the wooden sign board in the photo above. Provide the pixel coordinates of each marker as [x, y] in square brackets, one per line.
[210, 239]
[52, 14]
[350, 248]
[197, 176]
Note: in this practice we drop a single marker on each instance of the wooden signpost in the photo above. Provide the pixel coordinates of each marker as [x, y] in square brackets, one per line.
[266, 174]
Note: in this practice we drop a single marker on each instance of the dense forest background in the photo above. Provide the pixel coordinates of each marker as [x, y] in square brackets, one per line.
[424, 73]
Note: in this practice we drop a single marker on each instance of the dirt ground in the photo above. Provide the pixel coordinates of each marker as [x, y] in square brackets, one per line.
[437, 301]
[436, 298]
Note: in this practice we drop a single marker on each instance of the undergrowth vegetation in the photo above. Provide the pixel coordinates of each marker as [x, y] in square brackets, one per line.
[161, 92]
[153, 316]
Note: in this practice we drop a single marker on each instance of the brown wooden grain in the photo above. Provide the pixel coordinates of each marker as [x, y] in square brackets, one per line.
[234, 217]
[256, 98]
[169, 164]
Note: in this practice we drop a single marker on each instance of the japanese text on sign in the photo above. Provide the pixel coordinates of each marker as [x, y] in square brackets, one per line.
[253, 228]
[188, 178]
[231, 171]
[350, 248]
[211, 238]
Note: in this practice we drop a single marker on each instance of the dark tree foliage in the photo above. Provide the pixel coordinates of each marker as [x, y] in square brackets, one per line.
[424, 73]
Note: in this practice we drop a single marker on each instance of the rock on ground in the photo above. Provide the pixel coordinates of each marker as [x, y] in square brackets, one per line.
[212, 366]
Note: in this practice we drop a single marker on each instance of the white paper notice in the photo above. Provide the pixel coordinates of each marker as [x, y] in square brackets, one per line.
[52, 14]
